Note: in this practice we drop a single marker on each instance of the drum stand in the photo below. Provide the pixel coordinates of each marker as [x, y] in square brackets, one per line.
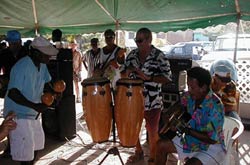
[113, 150]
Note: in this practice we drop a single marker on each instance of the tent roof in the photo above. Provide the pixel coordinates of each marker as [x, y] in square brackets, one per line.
[87, 16]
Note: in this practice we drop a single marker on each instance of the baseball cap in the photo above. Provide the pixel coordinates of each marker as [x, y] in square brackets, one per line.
[13, 36]
[44, 46]
[223, 72]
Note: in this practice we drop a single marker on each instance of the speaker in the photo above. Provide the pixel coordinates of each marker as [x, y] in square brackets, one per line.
[65, 59]
[67, 117]
[178, 68]
[61, 122]
[50, 123]
[62, 68]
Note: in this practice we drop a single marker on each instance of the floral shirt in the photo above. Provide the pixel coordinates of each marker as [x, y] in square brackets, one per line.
[208, 117]
[156, 64]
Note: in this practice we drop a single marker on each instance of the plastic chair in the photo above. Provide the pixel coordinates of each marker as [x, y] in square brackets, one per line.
[229, 125]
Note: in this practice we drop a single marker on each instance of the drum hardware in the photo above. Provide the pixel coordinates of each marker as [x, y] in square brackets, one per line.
[102, 92]
[114, 150]
[129, 92]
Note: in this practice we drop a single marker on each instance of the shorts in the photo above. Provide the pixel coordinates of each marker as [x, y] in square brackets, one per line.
[25, 139]
[214, 155]
[152, 118]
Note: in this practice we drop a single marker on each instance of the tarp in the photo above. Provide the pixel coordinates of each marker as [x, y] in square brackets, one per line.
[90, 16]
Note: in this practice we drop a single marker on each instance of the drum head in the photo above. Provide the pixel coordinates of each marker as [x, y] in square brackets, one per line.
[95, 81]
[129, 82]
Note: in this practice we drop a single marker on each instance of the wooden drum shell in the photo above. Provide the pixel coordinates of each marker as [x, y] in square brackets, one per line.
[97, 101]
[129, 110]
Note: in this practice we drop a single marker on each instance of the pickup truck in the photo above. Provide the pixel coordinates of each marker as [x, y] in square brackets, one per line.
[224, 48]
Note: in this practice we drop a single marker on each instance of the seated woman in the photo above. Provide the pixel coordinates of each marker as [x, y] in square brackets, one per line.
[225, 87]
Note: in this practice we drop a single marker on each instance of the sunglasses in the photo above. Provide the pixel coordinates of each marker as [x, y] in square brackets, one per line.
[139, 40]
[223, 79]
[109, 37]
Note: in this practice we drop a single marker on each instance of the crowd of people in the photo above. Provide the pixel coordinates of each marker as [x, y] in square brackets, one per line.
[210, 95]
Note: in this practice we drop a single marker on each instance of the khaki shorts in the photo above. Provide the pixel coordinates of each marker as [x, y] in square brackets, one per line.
[25, 139]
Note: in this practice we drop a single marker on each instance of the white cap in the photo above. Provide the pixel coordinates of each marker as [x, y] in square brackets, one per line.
[222, 70]
[44, 46]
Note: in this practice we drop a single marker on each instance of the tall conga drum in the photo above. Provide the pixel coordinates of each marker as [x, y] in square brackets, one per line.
[97, 103]
[129, 110]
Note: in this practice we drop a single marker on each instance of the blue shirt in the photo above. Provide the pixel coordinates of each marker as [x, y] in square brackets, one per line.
[30, 81]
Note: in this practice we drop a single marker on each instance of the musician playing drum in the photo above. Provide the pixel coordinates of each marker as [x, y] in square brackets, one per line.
[202, 141]
[149, 64]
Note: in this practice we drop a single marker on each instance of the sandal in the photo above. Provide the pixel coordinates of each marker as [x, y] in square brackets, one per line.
[136, 157]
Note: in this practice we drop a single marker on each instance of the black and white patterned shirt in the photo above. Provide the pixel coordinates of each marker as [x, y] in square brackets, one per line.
[156, 64]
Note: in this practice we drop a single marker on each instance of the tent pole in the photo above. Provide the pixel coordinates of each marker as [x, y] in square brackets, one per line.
[35, 17]
[237, 7]
[116, 31]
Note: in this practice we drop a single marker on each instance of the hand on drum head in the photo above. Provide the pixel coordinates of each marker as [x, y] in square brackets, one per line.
[141, 75]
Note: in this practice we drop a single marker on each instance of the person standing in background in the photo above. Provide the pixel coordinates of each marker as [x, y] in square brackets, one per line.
[92, 56]
[57, 38]
[77, 68]
[10, 55]
[110, 59]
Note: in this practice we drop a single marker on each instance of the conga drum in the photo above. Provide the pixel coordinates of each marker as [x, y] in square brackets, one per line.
[97, 103]
[129, 110]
